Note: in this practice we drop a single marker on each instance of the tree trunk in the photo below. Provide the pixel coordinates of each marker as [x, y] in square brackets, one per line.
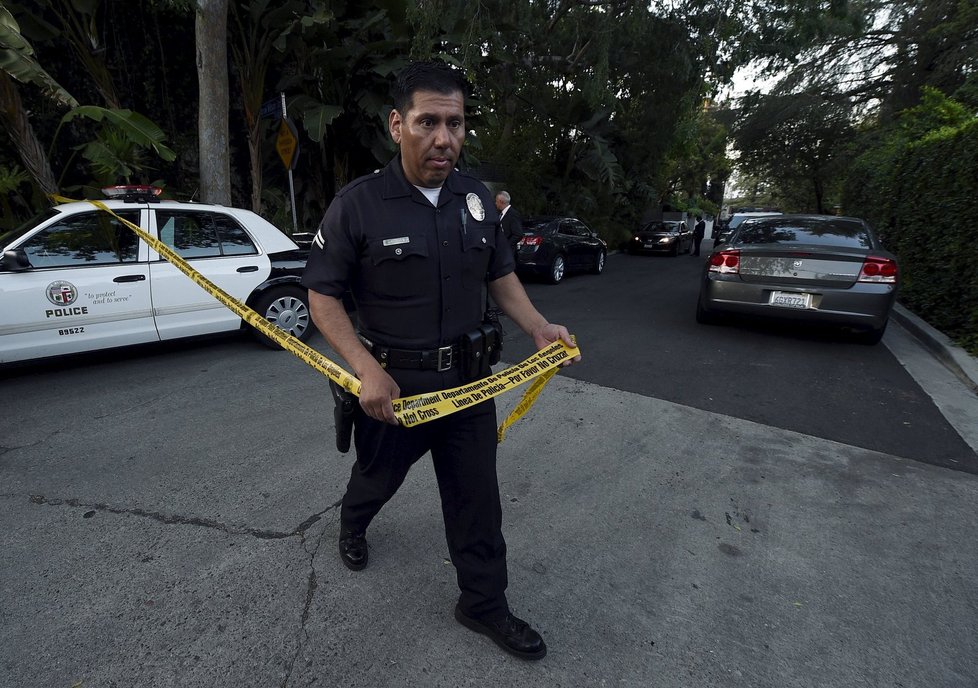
[212, 118]
[255, 155]
[22, 135]
[819, 195]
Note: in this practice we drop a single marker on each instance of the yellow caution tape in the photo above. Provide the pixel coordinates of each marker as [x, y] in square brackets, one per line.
[540, 366]
[410, 411]
[529, 398]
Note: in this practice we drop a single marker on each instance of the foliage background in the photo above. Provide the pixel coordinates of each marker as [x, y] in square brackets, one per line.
[607, 109]
[578, 107]
[918, 187]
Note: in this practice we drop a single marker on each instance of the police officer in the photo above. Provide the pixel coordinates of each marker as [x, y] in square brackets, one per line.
[416, 243]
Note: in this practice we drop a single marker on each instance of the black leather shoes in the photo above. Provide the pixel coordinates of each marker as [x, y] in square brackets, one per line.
[512, 634]
[353, 550]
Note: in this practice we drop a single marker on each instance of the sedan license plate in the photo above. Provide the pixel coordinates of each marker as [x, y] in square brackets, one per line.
[788, 299]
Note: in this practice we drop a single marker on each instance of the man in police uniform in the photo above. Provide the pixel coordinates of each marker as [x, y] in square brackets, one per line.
[416, 245]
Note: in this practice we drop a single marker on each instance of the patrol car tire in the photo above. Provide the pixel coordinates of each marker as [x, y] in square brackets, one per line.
[557, 269]
[287, 307]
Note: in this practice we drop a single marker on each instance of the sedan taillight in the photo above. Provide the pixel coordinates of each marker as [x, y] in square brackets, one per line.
[531, 241]
[878, 269]
[725, 262]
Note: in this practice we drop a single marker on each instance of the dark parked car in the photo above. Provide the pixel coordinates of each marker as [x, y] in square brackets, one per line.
[671, 237]
[810, 268]
[722, 234]
[554, 246]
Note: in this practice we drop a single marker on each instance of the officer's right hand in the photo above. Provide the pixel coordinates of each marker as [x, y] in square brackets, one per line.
[377, 389]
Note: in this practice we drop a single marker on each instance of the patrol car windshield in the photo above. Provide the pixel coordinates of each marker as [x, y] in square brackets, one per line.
[13, 235]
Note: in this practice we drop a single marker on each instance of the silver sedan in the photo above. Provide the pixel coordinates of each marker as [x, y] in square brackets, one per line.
[810, 268]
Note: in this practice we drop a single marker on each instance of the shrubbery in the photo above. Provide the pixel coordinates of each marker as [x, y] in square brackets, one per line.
[918, 186]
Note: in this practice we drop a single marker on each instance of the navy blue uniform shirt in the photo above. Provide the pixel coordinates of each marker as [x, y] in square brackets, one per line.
[416, 271]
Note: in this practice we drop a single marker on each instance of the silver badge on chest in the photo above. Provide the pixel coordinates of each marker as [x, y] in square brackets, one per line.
[476, 209]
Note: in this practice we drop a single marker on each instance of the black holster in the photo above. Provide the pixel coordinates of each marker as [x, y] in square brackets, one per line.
[345, 406]
[482, 348]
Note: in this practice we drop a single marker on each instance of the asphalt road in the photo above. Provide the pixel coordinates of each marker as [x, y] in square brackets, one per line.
[635, 325]
[169, 517]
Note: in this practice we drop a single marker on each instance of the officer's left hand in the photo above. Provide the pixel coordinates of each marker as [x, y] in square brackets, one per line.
[550, 333]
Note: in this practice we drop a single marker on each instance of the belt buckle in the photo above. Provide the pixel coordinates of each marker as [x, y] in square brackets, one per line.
[444, 359]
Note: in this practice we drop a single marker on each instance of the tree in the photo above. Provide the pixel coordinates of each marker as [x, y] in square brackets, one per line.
[697, 165]
[874, 53]
[18, 63]
[116, 146]
[581, 101]
[212, 75]
[799, 140]
[261, 33]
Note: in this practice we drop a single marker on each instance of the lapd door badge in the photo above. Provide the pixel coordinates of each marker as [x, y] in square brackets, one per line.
[476, 209]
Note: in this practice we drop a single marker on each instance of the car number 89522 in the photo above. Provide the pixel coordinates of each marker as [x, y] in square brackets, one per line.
[71, 330]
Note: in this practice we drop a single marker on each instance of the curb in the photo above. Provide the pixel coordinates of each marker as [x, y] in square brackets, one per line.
[954, 358]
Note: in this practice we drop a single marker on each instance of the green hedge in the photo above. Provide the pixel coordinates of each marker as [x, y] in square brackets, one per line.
[922, 197]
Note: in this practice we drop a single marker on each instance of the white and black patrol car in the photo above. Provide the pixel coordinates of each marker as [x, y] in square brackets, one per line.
[77, 279]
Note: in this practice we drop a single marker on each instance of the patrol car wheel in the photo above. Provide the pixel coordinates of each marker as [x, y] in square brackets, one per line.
[288, 309]
[557, 269]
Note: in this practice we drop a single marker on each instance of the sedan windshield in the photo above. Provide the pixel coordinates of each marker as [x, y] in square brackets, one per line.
[659, 227]
[810, 232]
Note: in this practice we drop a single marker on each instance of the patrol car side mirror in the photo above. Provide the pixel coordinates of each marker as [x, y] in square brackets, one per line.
[15, 260]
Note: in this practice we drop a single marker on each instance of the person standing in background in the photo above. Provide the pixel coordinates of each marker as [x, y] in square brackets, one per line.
[510, 220]
[698, 231]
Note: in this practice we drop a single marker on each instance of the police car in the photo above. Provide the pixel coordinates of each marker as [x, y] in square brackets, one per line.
[78, 279]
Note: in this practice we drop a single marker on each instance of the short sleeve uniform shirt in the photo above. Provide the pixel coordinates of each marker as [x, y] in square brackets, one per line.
[416, 271]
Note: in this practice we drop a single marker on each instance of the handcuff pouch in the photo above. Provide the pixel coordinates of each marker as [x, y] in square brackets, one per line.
[480, 349]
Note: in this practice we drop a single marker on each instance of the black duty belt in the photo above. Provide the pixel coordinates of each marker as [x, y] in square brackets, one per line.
[442, 359]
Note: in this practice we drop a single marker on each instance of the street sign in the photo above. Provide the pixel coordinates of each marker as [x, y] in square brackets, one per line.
[287, 143]
[271, 108]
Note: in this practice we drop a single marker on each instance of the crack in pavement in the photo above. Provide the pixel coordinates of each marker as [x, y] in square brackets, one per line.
[4, 449]
[176, 519]
[313, 584]
[139, 405]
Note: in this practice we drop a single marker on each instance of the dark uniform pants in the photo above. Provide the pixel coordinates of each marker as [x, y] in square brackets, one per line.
[463, 450]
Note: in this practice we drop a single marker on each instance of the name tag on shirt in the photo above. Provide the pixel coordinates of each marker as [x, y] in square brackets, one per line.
[398, 240]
